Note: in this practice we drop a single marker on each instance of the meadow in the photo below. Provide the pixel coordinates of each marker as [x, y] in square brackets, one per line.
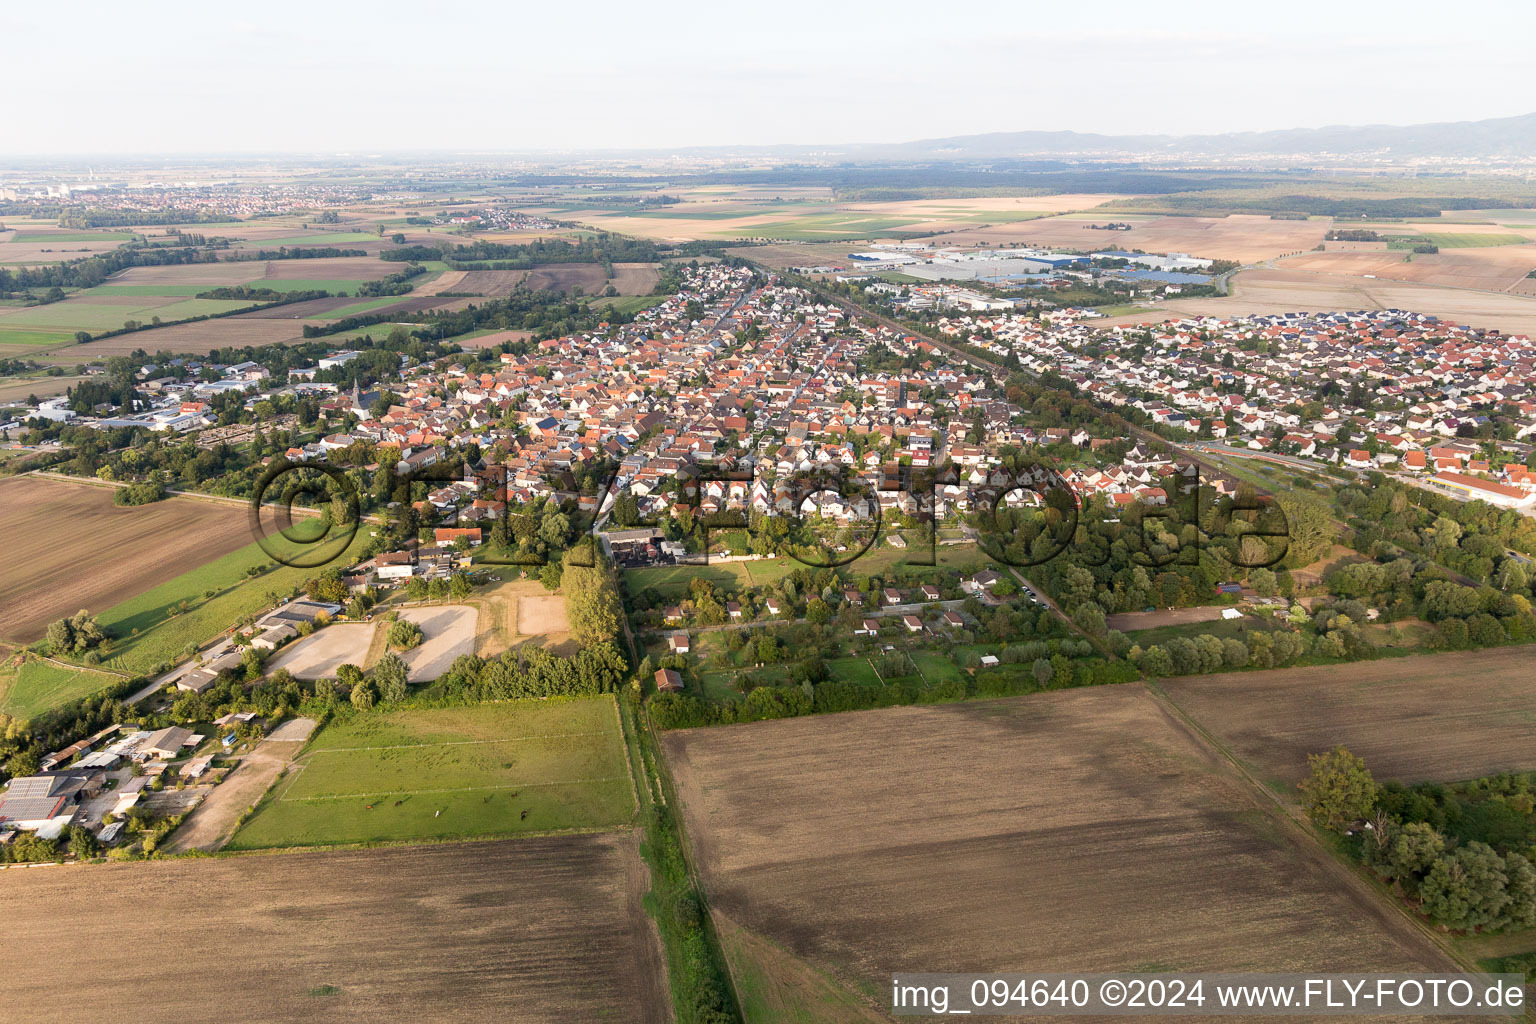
[39, 686]
[489, 770]
[164, 632]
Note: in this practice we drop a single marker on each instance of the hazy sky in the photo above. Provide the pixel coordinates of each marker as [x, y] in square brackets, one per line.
[323, 76]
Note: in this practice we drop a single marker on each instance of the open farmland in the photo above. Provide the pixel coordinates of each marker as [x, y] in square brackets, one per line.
[1496, 269]
[1436, 717]
[1081, 830]
[545, 929]
[491, 769]
[628, 278]
[1263, 291]
[490, 283]
[68, 547]
[1243, 237]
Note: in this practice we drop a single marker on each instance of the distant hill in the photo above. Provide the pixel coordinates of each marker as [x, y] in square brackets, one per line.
[1496, 138]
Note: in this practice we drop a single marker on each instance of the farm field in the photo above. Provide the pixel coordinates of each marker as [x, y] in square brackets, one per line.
[1488, 269]
[165, 633]
[1076, 830]
[86, 314]
[487, 770]
[69, 548]
[552, 926]
[38, 686]
[1284, 291]
[1246, 238]
[813, 218]
[1434, 717]
[203, 337]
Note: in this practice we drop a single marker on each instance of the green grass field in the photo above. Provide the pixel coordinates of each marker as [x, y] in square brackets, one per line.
[333, 238]
[1465, 240]
[451, 773]
[853, 670]
[629, 304]
[84, 316]
[40, 686]
[127, 290]
[671, 581]
[935, 667]
[9, 336]
[72, 236]
[164, 636]
[361, 307]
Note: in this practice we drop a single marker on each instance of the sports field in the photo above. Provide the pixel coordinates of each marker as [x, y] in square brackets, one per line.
[487, 770]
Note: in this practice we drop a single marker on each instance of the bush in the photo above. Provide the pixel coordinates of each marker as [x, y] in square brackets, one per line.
[405, 635]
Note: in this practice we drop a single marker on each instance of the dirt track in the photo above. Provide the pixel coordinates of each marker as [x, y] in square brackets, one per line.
[533, 930]
[209, 826]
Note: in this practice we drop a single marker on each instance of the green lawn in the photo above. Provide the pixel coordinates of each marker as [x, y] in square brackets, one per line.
[720, 684]
[164, 636]
[936, 667]
[40, 686]
[629, 304]
[451, 773]
[853, 670]
[671, 581]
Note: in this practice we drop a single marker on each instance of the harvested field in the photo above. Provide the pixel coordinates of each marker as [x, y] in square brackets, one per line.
[634, 278]
[547, 929]
[1286, 291]
[1242, 237]
[450, 632]
[309, 310]
[493, 339]
[1070, 831]
[195, 338]
[318, 655]
[213, 275]
[68, 547]
[1435, 717]
[209, 826]
[344, 268]
[1489, 269]
[563, 277]
[490, 283]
